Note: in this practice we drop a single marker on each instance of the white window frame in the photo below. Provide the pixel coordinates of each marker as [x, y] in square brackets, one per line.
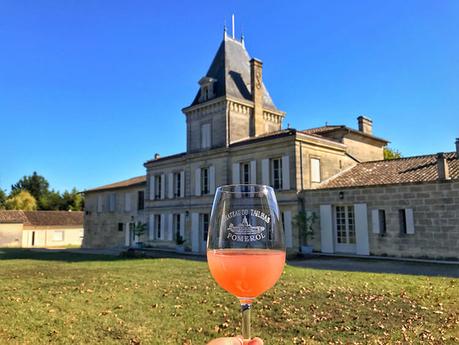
[205, 181]
[59, 238]
[158, 229]
[158, 187]
[348, 230]
[177, 224]
[202, 228]
[279, 174]
[177, 184]
[245, 172]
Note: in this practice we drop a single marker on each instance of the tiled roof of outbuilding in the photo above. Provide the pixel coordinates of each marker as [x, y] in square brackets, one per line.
[12, 216]
[42, 218]
[402, 170]
[121, 184]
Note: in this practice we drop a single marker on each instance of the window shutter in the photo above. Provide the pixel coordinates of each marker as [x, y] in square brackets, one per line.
[288, 229]
[212, 179]
[169, 227]
[265, 171]
[133, 198]
[127, 233]
[197, 182]
[236, 173]
[112, 202]
[326, 229]
[163, 227]
[361, 229]
[170, 185]
[375, 221]
[163, 186]
[182, 225]
[315, 170]
[152, 187]
[285, 172]
[151, 228]
[409, 221]
[127, 202]
[99, 203]
[209, 136]
[253, 172]
[182, 183]
[195, 232]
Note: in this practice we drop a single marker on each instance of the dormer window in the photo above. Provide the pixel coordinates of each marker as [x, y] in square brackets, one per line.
[207, 89]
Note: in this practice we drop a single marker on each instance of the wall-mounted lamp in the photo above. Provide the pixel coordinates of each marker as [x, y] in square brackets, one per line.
[132, 218]
[341, 195]
[187, 213]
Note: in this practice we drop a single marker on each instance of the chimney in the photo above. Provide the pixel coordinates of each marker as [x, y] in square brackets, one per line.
[365, 124]
[256, 82]
[442, 167]
[457, 148]
[157, 156]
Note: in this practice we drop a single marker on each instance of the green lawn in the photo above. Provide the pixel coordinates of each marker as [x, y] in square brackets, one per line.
[66, 298]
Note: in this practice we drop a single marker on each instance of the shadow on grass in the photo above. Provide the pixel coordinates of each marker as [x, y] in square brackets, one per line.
[65, 255]
[379, 266]
[53, 255]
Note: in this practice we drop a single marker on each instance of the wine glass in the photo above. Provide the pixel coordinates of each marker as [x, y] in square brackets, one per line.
[245, 246]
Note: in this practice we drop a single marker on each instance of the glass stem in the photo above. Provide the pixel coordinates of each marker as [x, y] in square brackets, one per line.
[245, 308]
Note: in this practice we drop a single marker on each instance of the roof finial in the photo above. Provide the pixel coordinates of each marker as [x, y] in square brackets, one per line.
[224, 29]
[242, 40]
[232, 26]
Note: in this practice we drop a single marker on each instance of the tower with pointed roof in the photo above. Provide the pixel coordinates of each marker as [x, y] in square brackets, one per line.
[232, 102]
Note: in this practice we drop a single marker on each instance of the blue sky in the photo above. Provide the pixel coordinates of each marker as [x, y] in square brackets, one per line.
[90, 90]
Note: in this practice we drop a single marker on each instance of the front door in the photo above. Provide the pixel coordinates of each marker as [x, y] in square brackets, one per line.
[129, 239]
[345, 229]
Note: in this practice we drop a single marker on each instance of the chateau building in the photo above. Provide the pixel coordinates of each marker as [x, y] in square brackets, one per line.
[235, 135]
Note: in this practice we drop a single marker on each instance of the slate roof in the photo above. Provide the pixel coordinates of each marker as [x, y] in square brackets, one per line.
[396, 171]
[139, 180]
[231, 68]
[42, 218]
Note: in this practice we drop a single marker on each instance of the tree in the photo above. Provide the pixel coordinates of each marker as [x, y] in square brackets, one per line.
[47, 199]
[390, 153]
[50, 200]
[35, 184]
[22, 200]
[139, 230]
[72, 200]
[305, 221]
[2, 199]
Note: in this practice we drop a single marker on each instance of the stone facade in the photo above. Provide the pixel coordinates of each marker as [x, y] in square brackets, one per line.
[105, 210]
[435, 218]
[164, 204]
